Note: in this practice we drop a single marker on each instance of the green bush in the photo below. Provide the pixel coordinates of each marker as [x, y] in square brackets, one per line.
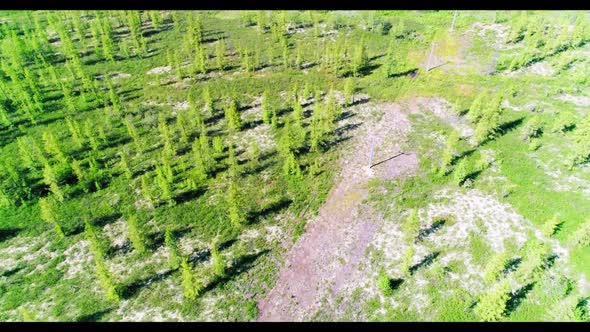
[384, 284]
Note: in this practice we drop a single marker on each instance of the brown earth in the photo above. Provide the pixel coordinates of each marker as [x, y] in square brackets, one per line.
[328, 254]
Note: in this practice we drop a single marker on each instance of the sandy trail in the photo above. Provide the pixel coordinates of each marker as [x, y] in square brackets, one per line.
[327, 255]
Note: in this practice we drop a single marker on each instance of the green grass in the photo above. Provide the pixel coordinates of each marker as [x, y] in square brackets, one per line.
[267, 198]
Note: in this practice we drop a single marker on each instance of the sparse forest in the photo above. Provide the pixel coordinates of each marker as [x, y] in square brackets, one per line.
[294, 165]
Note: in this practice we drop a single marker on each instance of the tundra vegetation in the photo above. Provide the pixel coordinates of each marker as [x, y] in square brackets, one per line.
[158, 165]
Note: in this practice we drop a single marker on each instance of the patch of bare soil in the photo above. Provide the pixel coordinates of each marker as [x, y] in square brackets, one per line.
[328, 254]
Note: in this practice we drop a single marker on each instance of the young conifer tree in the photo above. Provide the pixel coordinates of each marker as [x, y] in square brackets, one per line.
[218, 262]
[232, 162]
[254, 155]
[91, 136]
[77, 168]
[266, 107]
[220, 54]
[166, 135]
[98, 243]
[232, 116]
[133, 133]
[449, 153]
[208, 101]
[124, 164]
[206, 153]
[105, 279]
[4, 120]
[191, 286]
[146, 189]
[495, 267]
[218, 146]
[74, 129]
[25, 154]
[165, 186]
[136, 234]
[551, 226]
[348, 92]
[50, 179]
[407, 260]
[411, 226]
[49, 215]
[200, 170]
[492, 304]
[172, 244]
[235, 212]
[52, 148]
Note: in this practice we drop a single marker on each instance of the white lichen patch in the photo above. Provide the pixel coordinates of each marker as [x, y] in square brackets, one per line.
[444, 111]
[249, 234]
[117, 233]
[119, 264]
[500, 221]
[77, 259]
[26, 250]
[159, 70]
[577, 100]
[482, 29]
[189, 245]
[273, 233]
[183, 106]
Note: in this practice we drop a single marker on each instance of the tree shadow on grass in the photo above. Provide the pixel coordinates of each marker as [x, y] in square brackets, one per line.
[189, 195]
[131, 289]
[517, 297]
[143, 170]
[558, 228]
[9, 135]
[151, 32]
[504, 129]
[284, 111]
[331, 144]
[261, 166]
[8, 233]
[550, 261]
[95, 316]
[512, 265]
[116, 141]
[214, 118]
[270, 209]
[11, 272]
[346, 128]
[424, 233]
[105, 220]
[507, 127]
[201, 255]
[345, 115]
[368, 70]
[123, 249]
[238, 267]
[252, 124]
[461, 155]
[394, 284]
[413, 71]
[156, 239]
[359, 101]
[426, 261]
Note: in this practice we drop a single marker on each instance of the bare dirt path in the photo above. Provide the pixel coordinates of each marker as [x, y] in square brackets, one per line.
[327, 255]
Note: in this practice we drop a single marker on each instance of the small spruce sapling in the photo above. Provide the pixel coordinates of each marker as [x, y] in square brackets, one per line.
[218, 263]
[172, 244]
